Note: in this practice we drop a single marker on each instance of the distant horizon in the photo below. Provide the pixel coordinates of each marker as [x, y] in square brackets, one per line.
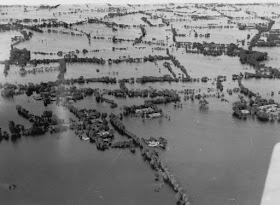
[124, 2]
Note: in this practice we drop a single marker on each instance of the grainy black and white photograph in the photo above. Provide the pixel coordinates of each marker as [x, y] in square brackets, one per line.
[148, 102]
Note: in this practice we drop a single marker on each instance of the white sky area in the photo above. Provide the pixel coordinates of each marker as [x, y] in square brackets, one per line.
[54, 2]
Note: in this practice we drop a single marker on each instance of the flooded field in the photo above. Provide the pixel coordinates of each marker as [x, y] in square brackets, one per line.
[85, 87]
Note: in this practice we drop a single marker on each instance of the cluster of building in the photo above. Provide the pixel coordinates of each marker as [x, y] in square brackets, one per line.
[272, 109]
[149, 113]
[272, 36]
[208, 26]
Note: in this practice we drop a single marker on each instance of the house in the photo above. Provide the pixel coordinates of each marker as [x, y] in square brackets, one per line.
[37, 97]
[144, 110]
[103, 133]
[245, 112]
[153, 144]
[154, 115]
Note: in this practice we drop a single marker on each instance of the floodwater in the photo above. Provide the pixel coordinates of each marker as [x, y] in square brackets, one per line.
[217, 158]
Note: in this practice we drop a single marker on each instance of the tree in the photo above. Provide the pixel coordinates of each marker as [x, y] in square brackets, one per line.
[12, 126]
[85, 51]
[104, 115]
[7, 92]
[47, 114]
[18, 107]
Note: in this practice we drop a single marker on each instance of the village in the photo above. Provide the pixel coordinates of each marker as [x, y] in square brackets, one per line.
[116, 76]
